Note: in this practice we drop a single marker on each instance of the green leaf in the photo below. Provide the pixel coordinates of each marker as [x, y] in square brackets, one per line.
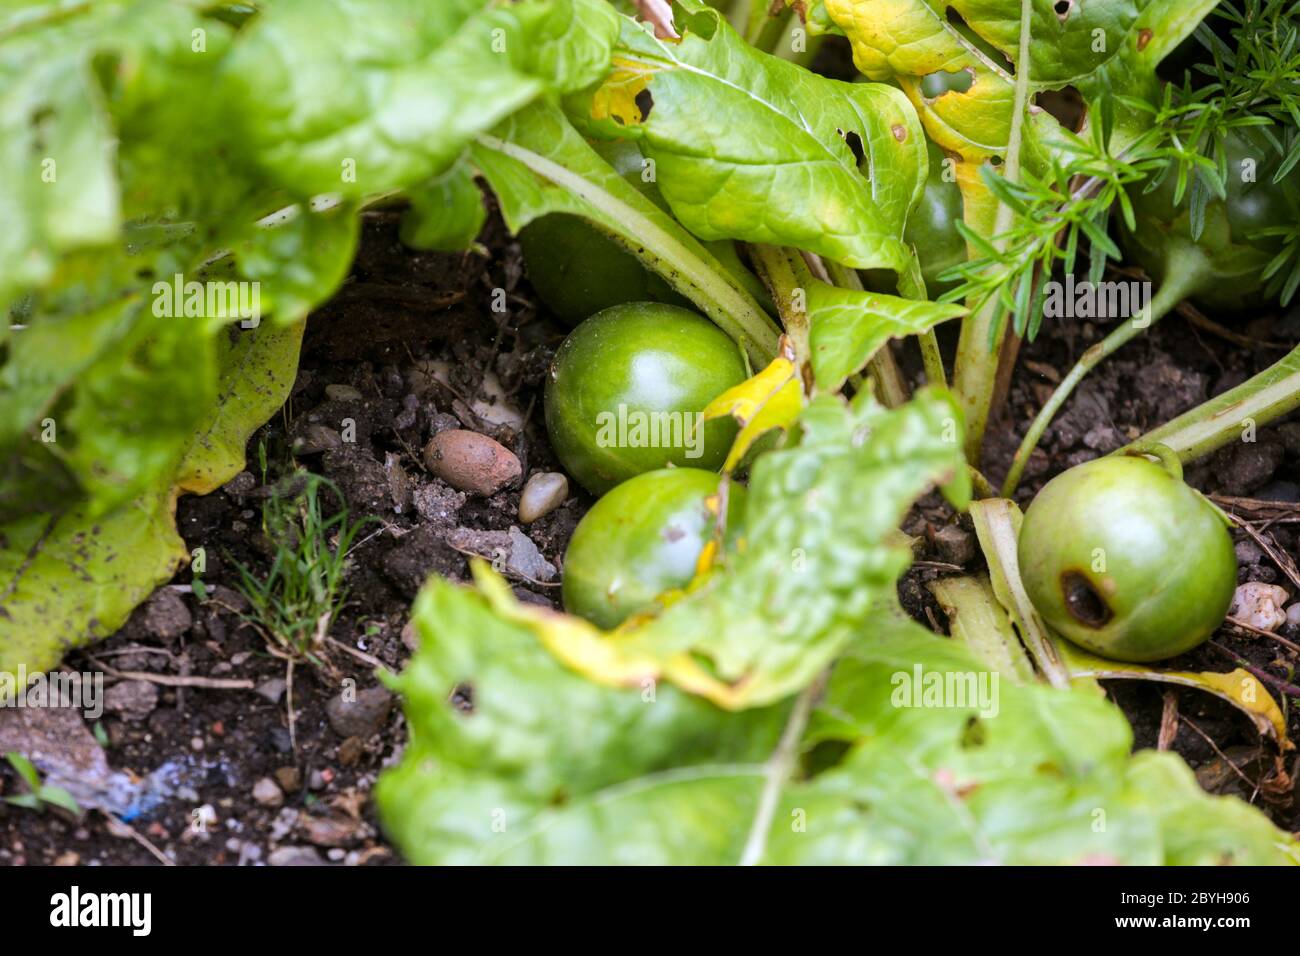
[501, 733]
[25, 769]
[359, 97]
[849, 326]
[257, 372]
[446, 213]
[70, 579]
[515, 759]
[70, 76]
[1097, 46]
[1028, 775]
[300, 260]
[730, 128]
[98, 405]
[59, 797]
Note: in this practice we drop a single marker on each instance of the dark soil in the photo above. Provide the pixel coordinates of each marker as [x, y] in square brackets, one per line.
[412, 346]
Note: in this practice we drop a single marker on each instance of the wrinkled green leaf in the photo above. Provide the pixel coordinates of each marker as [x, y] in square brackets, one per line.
[70, 78]
[300, 260]
[515, 759]
[113, 394]
[500, 732]
[364, 96]
[99, 405]
[729, 128]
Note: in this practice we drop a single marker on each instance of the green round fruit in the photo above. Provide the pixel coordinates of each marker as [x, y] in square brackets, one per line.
[1125, 560]
[640, 540]
[1232, 256]
[576, 269]
[932, 226]
[627, 388]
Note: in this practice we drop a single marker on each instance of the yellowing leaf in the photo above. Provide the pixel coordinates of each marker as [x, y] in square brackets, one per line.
[257, 371]
[577, 642]
[73, 578]
[615, 99]
[1240, 688]
[607, 658]
[770, 399]
[70, 579]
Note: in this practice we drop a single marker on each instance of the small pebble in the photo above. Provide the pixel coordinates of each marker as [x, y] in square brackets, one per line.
[295, 856]
[544, 492]
[289, 778]
[360, 713]
[166, 616]
[342, 393]
[1293, 615]
[134, 700]
[267, 793]
[1260, 605]
[471, 462]
[1248, 552]
[315, 439]
[272, 689]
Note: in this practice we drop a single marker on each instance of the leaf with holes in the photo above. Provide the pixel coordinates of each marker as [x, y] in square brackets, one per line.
[516, 759]
[749, 146]
[1098, 47]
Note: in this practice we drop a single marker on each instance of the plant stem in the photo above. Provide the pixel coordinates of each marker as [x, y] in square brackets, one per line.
[763, 31]
[976, 370]
[932, 359]
[1182, 278]
[784, 272]
[976, 619]
[716, 292]
[1257, 401]
[997, 525]
[779, 768]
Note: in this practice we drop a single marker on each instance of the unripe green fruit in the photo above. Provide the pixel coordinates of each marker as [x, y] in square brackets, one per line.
[576, 269]
[932, 226]
[640, 540]
[1125, 560]
[1230, 276]
[626, 390]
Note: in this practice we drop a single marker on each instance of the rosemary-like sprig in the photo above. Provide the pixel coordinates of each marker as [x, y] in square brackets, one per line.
[1252, 81]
